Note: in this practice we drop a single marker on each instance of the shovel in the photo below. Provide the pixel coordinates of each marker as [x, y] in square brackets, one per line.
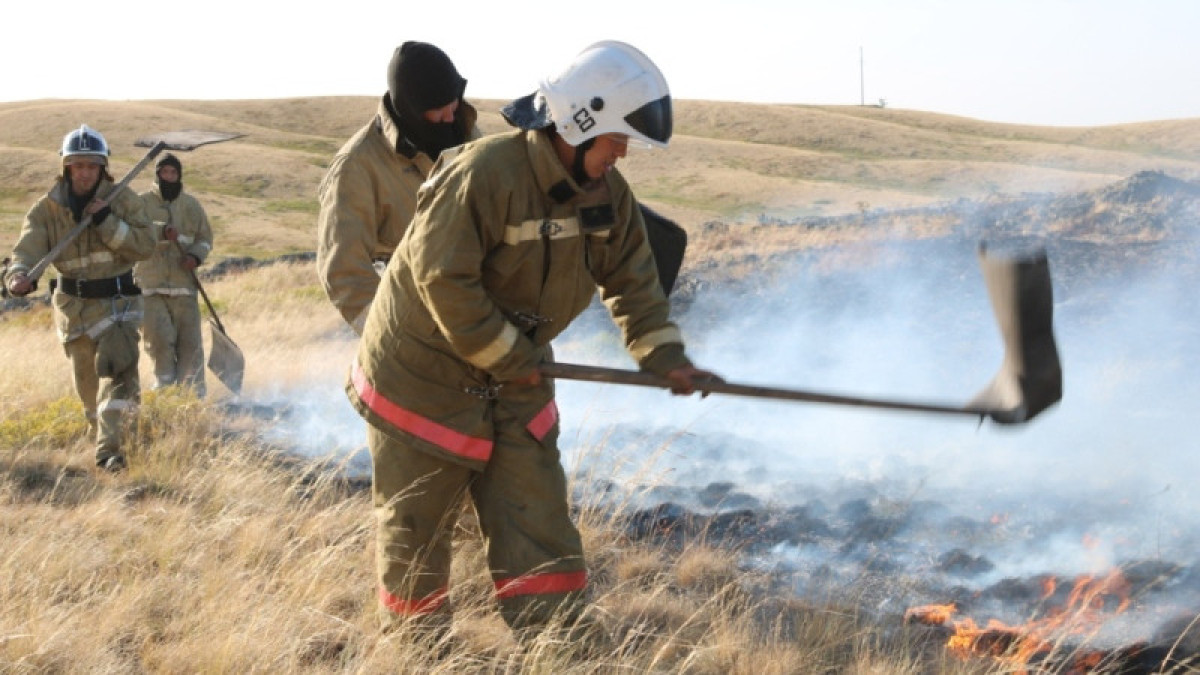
[225, 359]
[1029, 381]
[171, 140]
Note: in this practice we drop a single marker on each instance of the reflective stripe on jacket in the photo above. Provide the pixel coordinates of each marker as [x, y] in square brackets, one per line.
[162, 273]
[367, 199]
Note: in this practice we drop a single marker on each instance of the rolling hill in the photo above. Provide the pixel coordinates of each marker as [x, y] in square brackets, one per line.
[732, 162]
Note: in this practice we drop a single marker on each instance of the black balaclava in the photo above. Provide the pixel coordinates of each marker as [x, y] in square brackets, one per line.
[421, 77]
[169, 191]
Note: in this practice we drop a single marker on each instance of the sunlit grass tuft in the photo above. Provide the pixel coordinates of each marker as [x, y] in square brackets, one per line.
[55, 423]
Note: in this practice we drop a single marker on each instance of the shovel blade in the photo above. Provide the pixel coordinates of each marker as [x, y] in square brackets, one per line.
[1030, 377]
[188, 139]
[225, 359]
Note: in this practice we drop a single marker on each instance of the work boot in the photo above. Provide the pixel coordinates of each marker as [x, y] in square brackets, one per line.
[112, 463]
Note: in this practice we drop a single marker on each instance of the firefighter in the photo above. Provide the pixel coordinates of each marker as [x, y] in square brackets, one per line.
[168, 279]
[369, 193]
[512, 236]
[97, 305]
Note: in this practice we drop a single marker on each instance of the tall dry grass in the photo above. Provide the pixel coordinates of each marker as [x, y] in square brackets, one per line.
[218, 552]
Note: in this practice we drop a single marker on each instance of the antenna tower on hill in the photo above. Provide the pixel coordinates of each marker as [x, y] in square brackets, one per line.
[862, 87]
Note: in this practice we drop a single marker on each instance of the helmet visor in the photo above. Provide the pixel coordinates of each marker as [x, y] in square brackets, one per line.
[652, 120]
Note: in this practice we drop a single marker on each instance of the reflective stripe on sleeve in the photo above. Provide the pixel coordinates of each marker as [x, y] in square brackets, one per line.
[544, 421]
[454, 442]
[406, 607]
[647, 343]
[120, 235]
[541, 584]
[496, 349]
[186, 239]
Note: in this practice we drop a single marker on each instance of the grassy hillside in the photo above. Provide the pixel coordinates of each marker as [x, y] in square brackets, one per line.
[727, 161]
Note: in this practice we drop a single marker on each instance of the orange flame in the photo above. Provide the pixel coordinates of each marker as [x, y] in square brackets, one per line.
[1090, 602]
[931, 615]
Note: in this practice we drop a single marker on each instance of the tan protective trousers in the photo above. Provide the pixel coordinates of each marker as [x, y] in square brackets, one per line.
[173, 341]
[110, 403]
[534, 551]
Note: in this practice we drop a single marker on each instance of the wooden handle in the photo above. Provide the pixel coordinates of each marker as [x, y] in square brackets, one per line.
[570, 371]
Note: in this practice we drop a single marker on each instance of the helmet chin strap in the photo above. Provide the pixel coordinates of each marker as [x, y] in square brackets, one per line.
[578, 172]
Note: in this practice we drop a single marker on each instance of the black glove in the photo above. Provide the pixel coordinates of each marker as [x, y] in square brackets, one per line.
[99, 216]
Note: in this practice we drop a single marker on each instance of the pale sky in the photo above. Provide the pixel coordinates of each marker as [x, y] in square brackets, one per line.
[1055, 62]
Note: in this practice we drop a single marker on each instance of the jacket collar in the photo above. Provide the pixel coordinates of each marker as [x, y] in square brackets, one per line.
[551, 176]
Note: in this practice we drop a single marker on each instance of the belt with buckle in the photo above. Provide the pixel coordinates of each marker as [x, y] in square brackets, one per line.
[99, 288]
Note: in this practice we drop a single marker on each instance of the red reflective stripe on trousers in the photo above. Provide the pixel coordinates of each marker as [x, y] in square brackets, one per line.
[538, 584]
[543, 422]
[422, 427]
[406, 607]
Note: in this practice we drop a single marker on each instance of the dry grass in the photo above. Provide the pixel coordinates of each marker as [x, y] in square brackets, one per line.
[216, 554]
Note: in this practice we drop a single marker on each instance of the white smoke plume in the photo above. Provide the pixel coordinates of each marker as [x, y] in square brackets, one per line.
[1105, 477]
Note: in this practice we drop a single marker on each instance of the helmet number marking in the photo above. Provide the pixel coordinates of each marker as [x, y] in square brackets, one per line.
[584, 119]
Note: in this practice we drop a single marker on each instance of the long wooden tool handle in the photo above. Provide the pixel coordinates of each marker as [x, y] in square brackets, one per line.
[40, 267]
[570, 371]
[211, 310]
[200, 287]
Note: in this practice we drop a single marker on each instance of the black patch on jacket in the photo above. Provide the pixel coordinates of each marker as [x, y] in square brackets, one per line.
[562, 192]
[598, 217]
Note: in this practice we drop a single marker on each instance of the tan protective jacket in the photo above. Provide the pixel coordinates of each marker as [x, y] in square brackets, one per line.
[162, 273]
[99, 252]
[367, 198]
[503, 253]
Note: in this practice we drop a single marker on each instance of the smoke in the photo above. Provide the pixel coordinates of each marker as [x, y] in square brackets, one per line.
[1105, 477]
[1112, 464]
[318, 422]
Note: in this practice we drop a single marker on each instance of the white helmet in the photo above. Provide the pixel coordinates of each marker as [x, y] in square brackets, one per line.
[84, 141]
[611, 87]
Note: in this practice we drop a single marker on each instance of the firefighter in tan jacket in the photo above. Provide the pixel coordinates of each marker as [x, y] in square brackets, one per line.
[511, 238]
[173, 339]
[369, 193]
[97, 306]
